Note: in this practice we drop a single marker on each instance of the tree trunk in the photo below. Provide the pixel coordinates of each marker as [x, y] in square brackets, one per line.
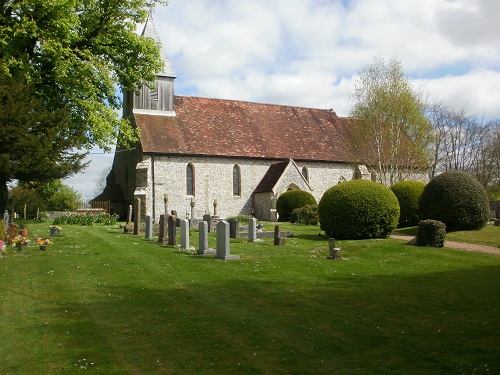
[4, 196]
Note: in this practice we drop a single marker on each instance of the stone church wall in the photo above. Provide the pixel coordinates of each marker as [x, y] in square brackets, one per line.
[214, 181]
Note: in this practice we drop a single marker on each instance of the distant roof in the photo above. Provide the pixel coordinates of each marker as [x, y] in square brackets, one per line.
[243, 129]
[149, 31]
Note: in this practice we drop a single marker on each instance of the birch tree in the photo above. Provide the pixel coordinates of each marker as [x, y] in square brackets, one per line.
[389, 131]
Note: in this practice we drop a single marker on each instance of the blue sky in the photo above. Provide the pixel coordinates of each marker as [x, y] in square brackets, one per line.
[307, 52]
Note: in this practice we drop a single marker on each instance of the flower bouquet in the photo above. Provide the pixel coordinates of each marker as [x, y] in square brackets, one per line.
[54, 230]
[43, 243]
[3, 249]
[20, 241]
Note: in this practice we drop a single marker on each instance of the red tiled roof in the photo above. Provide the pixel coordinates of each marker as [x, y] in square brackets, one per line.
[243, 129]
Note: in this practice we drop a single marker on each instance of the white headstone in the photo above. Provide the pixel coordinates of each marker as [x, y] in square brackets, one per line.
[185, 234]
[223, 242]
[149, 227]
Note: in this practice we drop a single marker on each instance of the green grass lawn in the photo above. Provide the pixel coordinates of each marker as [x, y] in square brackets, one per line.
[489, 235]
[100, 301]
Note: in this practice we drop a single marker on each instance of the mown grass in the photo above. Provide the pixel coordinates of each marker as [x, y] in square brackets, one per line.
[489, 235]
[105, 302]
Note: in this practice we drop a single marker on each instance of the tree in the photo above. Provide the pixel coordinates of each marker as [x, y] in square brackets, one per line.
[52, 196]
[35, 145]
[465, 143]
[72, 55]
[389, 129]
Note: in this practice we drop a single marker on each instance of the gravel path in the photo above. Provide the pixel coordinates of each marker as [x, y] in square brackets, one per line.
[457, 245]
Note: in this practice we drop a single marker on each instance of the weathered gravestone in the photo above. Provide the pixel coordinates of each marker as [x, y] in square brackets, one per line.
[278, 240]
[334, 251]
[163, 229]
[129, 214]
[234, 228]
[172, 230]
[137, 216]
[210, 223]
[203, 239]
[149, 227]
[223, 242]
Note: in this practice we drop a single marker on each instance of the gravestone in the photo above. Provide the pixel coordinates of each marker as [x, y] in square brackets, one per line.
[208, 219]
[274, 212]
[163, 229]
[129, 214]
[234, 228]
[149, 227]
[252, 230]
[278, 240]
[172, 230]
[203, 239]
[137, 216]
[6, 218]
[334, 251]
[185, 235]
[193, 213]
[222, 251]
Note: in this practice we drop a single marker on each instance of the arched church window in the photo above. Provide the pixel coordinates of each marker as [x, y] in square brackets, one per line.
[305, 173]
[236, 180]
[190, 179]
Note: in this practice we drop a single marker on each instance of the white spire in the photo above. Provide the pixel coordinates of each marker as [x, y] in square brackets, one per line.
[149, 31]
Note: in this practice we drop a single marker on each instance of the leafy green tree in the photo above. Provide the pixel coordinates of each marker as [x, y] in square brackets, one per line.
[389, 129]
[35, 145]
[51, 196]
[71, 56]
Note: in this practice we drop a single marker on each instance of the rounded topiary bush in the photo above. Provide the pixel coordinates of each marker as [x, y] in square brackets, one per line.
[358, 209]
[290, 200]
[307, 215]
[457, 199]
[408, 194]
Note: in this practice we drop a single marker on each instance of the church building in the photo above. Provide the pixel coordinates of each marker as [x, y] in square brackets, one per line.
[199, 155]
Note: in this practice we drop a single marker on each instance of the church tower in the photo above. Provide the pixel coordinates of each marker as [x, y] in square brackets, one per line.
[157, 100]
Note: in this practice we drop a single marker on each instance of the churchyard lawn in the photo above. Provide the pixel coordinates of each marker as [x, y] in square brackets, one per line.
[103, 302]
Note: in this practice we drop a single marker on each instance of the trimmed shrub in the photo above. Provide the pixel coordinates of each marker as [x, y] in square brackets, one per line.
[307, 215]
[457, 199]
[358, 209]
[408, 194]
[290, 200]
[431, 233]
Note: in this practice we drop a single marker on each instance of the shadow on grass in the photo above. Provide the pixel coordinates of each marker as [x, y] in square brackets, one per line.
[434, 323]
